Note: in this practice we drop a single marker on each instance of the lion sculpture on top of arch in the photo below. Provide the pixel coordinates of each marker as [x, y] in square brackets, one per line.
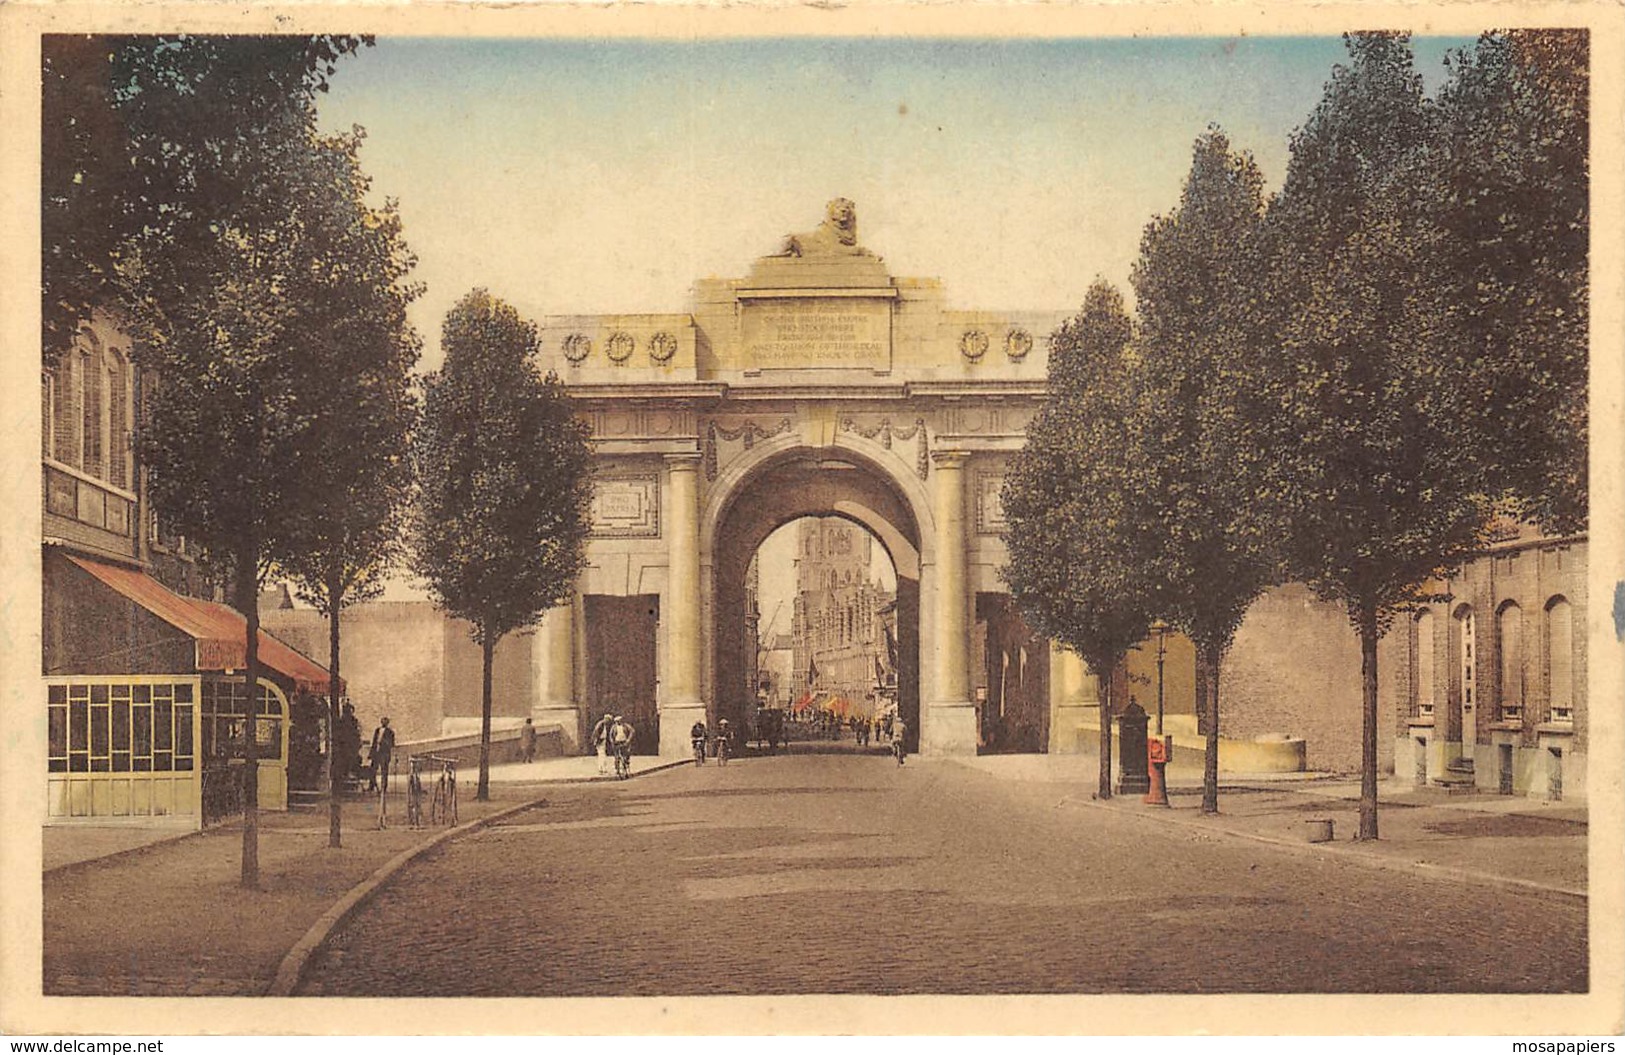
[836, 236]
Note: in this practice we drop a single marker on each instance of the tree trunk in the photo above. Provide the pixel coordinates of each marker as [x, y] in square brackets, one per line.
[483, 792]
[248, 603]
[335, 775]
[1210, 755]
[1368, 731]
[1105, 791]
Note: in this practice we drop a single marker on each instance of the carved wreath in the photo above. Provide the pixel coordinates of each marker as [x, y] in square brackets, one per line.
[973, 345]
[1017, 343]
[620, 347]
[662, 346]
[577, 347]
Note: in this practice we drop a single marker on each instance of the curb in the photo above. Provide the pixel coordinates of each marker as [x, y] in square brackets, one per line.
[1321, 849]
[86, 862]
[292, 968]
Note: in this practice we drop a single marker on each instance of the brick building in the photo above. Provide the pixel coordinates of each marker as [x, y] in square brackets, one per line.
[1484, 687]
[146, 707]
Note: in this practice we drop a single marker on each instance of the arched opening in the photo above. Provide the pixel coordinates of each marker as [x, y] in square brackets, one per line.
[814, 688]
[1559, 660]
[1509, 656]
[835, 550]
[1426, 688]
[1464, 647]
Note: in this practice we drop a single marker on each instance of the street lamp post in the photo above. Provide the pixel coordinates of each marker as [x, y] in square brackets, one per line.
[1161, 629]
[1160, 748]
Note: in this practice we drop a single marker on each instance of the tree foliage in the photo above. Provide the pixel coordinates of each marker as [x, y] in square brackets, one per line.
[503, 465]
[142, 133]
[1506, 262]
[1076, 527]
[1213, 490]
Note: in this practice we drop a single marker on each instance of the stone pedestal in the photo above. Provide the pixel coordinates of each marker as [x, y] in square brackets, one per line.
[680, 701]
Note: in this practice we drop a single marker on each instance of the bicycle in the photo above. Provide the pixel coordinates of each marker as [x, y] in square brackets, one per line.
[623, 762]
[414, 796]
[722, 750]
[897, 749]
[443, 807]
[699, 750]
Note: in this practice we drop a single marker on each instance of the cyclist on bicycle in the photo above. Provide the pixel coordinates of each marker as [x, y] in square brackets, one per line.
[899, 727]
[620, 738]
[724, 741]
[697, 736]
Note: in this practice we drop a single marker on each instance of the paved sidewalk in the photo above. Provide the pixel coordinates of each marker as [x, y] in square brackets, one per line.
[182, 914]
[80, 842]
[1494, 839]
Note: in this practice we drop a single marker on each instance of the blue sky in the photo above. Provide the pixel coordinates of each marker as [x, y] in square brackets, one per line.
[606, 175]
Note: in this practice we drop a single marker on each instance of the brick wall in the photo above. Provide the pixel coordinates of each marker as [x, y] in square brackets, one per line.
[1295, 669]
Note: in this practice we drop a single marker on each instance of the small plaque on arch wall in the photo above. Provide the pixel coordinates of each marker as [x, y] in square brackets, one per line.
[626, 506]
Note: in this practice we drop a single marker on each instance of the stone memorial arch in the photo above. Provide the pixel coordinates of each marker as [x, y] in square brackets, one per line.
[817, 385]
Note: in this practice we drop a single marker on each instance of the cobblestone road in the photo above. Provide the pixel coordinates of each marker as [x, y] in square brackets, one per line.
[849, 875]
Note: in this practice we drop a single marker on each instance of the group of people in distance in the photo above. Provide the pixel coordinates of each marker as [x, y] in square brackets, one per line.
[612, 741]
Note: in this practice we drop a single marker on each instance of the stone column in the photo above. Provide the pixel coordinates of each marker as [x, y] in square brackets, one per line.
[553, 672]
[681, 704]
[948, 727]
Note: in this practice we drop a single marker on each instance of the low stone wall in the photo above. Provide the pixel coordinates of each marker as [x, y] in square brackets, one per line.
[1266, 754]
[504, 746]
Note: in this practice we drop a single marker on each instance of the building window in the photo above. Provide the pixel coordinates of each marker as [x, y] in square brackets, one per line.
[90, 404]
[47, 432]
[118, 421]
[224, 710]
[1424, 665]
[1560, 659]
[119, 727]
[1466, 670]
[65, 412]
[1509, 649]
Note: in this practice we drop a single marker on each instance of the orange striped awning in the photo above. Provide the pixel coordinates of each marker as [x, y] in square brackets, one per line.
[219, 631]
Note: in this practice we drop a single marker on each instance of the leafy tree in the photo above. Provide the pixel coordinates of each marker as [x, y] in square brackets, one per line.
[503, 471]
[1070, 497]
[1382, 488]
[339, 546]
[216, 295]
[142, 132]
[1197, 413]
[1507, 196]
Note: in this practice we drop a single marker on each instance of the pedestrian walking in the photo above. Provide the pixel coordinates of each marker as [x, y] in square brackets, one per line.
[527, 741]
[899, 729]
[381, 753]
[600, 742]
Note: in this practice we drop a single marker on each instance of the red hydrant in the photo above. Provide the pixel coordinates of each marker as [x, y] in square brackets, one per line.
[1157, 750]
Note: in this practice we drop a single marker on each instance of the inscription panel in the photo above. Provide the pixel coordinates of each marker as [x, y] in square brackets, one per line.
[790, 332]
[626, 506]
